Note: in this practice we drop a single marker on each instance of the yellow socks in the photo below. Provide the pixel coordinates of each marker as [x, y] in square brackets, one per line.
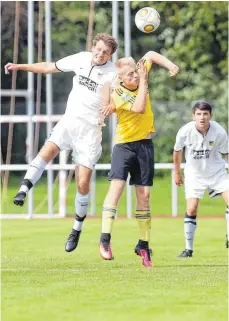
[144, 223]
[108, 216]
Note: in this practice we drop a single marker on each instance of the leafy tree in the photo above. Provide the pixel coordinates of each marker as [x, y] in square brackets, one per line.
[193, 34]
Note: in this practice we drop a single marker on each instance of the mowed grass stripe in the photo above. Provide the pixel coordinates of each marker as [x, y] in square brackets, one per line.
[42, 282]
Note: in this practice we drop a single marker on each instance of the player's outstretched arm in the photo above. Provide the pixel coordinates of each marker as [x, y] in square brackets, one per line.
[177, 158]
[154, 57]
[40, 67]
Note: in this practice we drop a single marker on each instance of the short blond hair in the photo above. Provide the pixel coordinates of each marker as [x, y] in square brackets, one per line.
[109, 41]
[124, 62]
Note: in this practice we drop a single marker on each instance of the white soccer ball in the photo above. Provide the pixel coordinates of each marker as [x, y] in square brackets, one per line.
[147, 19]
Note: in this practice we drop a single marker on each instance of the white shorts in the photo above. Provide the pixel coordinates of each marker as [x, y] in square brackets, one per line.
[196, 186]
[83, 138]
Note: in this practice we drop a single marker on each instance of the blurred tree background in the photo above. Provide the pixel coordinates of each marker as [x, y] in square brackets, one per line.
[193, 34]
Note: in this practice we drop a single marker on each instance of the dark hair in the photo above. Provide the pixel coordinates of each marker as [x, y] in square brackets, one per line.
[202, 105]
[108, 40]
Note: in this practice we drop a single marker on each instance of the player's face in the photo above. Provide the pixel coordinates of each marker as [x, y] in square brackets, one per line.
[130, 79]
[202, 119]
[101, 53]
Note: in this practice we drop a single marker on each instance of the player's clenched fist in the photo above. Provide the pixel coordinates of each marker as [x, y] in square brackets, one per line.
[10, 67]
[178, 179]
[107, 110]
[173, 70]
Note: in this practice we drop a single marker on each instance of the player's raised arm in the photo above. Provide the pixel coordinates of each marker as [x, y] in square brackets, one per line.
[40, 67]
[139, 105]
[156, 58]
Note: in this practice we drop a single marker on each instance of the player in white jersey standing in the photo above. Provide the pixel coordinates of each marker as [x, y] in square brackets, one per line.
[205, 142]
[79, 129]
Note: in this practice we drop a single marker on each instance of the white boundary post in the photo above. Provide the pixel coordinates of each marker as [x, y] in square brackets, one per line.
[62, 184]
[48, 55]
[30, 100]
[174, 195]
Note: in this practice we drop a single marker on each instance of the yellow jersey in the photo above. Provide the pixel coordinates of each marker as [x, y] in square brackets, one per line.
[131, 126]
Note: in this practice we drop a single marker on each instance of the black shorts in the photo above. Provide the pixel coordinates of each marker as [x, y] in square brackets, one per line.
[136, 158]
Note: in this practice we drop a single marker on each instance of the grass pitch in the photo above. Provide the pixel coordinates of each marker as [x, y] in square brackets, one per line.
[42, 282]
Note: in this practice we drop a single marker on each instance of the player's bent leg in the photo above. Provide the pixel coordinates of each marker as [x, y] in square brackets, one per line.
[143, 218]
[189, 227]
[83, 176]
[35, 170]
[108, 216]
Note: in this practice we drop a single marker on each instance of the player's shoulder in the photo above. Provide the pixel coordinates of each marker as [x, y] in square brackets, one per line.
[109, 66]
[119, 90]
[184, 130]
[86, 56]
[82, 56]
[217, 127]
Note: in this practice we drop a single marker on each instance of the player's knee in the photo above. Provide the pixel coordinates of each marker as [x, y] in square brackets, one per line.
[144, 199]
[83, 186]
[49, 151]
[147, 197]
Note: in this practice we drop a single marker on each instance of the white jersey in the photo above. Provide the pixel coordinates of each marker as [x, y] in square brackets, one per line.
[203, 154]
[85, 98]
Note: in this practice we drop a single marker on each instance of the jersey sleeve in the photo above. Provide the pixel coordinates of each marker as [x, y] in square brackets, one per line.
[69, 63]
[179, 144]
[224, 147]
[122, 100]
[146, 62]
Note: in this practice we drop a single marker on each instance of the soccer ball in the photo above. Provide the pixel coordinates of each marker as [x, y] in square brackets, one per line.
[147, 19]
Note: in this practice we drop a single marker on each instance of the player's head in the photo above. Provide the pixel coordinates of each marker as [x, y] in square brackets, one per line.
[202, 105]
[202, 114]
[129, 77]
[103, 48]
[125, 62]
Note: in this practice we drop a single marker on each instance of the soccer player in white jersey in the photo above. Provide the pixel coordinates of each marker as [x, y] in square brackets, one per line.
[79, 129]
[204, 141]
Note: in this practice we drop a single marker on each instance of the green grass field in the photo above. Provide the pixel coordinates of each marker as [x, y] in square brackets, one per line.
[42, 282]
[160, 199]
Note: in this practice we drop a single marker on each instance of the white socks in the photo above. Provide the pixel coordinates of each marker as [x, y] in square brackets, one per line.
[189, 231]
[81, 205]
[227, 219]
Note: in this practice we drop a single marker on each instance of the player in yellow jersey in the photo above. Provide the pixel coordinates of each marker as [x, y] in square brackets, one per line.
[133, 152]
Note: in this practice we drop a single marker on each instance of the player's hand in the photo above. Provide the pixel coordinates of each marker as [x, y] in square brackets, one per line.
[173, 70]
[10, 67]
[142, 71]
[178, 179]
[107, 110]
